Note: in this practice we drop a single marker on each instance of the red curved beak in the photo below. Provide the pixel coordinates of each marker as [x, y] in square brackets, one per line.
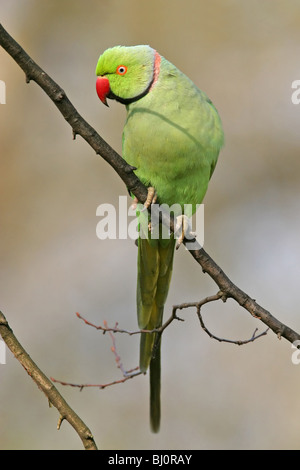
[102, 88]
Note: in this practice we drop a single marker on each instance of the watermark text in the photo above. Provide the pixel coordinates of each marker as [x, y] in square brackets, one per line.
[2, 352]
[296, 94]
[296, 354]
[122, 222]
[2, 92]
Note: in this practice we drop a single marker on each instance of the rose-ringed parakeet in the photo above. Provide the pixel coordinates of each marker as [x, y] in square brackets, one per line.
[172, 136]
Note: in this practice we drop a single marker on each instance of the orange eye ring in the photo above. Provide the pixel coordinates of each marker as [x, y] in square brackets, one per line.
[121, 70]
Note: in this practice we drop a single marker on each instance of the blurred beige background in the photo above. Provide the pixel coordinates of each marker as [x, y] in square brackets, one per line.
[245, 56]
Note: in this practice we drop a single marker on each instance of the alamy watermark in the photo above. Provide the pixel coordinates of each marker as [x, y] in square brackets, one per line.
[121, 222]
[2, 352]
[296, 94]
[296, 354]
[2, 92]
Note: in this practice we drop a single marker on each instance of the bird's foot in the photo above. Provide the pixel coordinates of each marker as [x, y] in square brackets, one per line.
[151, 197]
[183, 229]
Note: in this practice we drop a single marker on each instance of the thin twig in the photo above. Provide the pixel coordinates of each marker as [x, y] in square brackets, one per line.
[100, 386]
[116, 329]
[199, 304]
[131, 373]
[224, 340]
[127, 374]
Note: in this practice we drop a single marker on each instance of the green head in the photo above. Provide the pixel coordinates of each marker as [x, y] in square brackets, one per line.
[125, 73]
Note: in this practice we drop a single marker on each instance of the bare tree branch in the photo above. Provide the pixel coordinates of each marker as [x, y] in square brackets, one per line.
[130, 375]
[46, 386]
[135, 372]
[197, 305]
[127, 374]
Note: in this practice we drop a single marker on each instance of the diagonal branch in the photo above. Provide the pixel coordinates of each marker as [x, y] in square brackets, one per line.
[126, 173]
[46, 386]
[71, 115]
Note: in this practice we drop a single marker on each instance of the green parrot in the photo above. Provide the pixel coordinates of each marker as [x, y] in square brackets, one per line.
[172, 136]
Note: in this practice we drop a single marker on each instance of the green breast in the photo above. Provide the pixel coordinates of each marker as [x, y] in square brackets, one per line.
[173, 136]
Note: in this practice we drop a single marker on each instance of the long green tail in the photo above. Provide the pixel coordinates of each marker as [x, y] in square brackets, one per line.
[155, 262]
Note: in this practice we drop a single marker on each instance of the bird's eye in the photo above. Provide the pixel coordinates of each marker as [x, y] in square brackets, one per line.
[121, 70]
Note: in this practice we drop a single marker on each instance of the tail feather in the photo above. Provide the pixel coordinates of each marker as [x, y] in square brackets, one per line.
[155, 380]
[148, 340]
[155, 262]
